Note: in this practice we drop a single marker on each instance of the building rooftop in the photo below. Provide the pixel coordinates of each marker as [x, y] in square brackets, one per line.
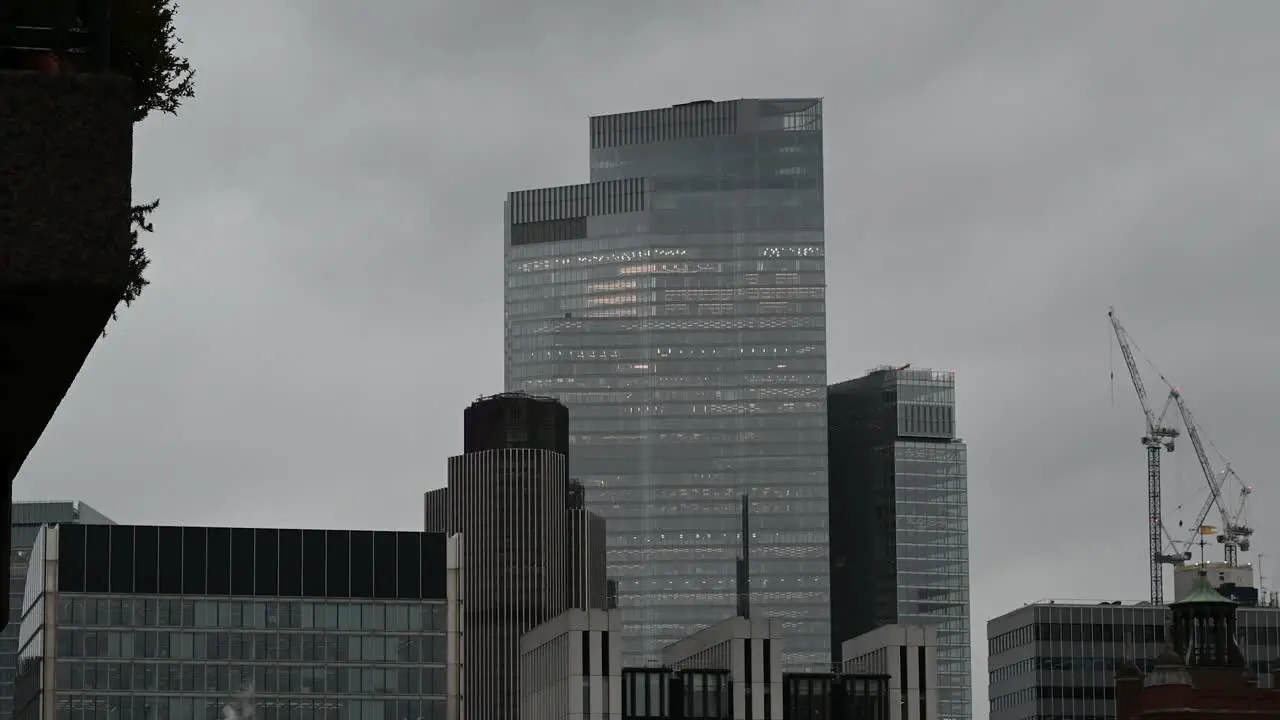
[1203, 593]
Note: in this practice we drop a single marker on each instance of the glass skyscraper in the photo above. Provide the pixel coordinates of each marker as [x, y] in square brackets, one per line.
[899, 485]
[178, 623]
[676, 305]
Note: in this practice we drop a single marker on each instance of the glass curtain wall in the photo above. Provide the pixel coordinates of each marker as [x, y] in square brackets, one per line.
[689, 343]
[187, 658]
[933, 559]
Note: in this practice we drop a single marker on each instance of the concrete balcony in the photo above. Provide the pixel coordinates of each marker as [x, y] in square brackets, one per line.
[66, 157]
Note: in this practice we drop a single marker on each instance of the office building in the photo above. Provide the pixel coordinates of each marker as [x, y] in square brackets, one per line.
[528, 551]
[729, 671]
[1234, 580]
[900, 554]
[27, 519]
[1201, 672]
[571, 667]
[676, 304]
[908, 656]
[750, 650]
[1059, 658]
[178, 622]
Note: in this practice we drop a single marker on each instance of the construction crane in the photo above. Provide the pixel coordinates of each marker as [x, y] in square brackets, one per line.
[1233, 534]
[1158, 437]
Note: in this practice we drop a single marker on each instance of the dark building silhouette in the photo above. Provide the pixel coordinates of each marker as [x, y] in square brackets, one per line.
[1200, 673]
[529, 548]
[55, 36]
[588, 570]
[516, 420]
[899, 506]
[66, 155]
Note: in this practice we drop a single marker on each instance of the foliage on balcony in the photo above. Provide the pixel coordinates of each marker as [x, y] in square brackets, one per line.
[145, 47]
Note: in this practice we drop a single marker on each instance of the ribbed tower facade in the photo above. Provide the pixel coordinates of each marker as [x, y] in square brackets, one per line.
[509, 506]
[529, 549]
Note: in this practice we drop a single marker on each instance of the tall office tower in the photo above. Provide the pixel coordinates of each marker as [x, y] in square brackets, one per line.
[26, 521]
[125, 621]
[900, 551]
[1058, 658]
[675, 304]
[529, 550]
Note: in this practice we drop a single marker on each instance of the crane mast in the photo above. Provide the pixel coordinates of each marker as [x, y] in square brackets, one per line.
[1158, 437]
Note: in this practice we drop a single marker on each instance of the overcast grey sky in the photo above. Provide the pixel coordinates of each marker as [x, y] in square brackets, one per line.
[326, 286]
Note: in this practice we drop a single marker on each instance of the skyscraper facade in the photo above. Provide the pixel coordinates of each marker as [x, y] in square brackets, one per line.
[676, 305]
[529, 550]
[27, 519]
[899, 486]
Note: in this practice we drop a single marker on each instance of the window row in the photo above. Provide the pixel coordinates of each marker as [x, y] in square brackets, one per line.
[194, 677]
[700, 327]
[778, 288]
[619, 241]
[792, 486]
[714, 527]
[694, 395]
[635, 551]
[627, 268]
[298, 647]
[1076, 632]
[561, 384]
[148, 707]
[250, 614]
[245, 561]
[542, 365]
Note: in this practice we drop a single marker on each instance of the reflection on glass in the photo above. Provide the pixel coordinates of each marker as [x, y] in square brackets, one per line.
[189, 657]
[933, 559]
[248, 658]
[688, 340]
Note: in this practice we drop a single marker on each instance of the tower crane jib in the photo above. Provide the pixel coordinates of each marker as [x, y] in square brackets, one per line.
[1233, 534]
[1158, 437]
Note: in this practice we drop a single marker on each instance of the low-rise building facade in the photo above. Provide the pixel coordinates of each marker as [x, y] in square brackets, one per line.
[142, 622]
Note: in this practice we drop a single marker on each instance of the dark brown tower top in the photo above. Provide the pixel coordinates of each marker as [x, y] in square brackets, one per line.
[516, 420]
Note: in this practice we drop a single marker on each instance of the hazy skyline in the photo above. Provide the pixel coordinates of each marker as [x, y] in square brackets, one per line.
[326, 281]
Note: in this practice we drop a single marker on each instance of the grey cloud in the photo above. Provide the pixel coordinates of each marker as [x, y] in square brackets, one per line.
[326, 289]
